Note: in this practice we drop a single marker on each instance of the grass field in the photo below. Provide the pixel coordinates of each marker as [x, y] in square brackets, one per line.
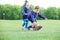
[11, 30]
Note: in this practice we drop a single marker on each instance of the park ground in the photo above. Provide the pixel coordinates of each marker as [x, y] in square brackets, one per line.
[11, 30]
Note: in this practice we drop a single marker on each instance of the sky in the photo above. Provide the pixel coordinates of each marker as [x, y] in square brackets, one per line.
[41, 3]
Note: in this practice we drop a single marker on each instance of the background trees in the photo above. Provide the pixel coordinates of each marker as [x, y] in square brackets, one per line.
[13, 12]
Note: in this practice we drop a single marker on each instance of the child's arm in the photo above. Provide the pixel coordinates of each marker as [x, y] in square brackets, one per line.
[25, 3]
[41, 16]
[24, 8]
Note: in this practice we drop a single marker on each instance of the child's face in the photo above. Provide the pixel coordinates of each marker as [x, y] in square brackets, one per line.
[37, 10]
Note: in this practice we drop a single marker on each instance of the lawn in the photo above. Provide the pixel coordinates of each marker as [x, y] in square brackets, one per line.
[11, 30]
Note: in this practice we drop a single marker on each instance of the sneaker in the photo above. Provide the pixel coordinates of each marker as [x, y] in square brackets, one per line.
[28, 28]
[22, 28]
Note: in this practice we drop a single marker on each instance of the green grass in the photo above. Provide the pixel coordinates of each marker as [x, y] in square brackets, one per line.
[11, 30]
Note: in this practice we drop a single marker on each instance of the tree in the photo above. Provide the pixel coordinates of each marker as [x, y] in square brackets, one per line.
[59, 12]
[51, 13]
[14, 12]
[31, 7]
[1, 11]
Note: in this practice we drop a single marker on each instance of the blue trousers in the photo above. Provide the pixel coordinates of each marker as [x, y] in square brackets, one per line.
[25, 23]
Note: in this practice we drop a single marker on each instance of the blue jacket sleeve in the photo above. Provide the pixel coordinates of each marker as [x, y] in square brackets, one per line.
[23, 12]
[41, 16]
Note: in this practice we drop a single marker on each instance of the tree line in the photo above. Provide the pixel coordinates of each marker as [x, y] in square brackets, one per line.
[13, 12]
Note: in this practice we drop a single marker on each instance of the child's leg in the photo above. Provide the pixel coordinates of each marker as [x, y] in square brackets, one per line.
[26, 23]
[23, 23]
[29, 27]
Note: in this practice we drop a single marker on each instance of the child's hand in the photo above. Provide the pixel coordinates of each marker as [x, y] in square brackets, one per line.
[25, 13]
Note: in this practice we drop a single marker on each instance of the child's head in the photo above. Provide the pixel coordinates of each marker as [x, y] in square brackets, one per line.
[37, 9]
[27, 5]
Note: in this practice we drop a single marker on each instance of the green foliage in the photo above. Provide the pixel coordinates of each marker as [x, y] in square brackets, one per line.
[13, 12]
[52, 13]
[1, 11]
[59, 13]
[31, 7]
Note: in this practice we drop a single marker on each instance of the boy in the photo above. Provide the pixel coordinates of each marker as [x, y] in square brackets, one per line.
[32, 18]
